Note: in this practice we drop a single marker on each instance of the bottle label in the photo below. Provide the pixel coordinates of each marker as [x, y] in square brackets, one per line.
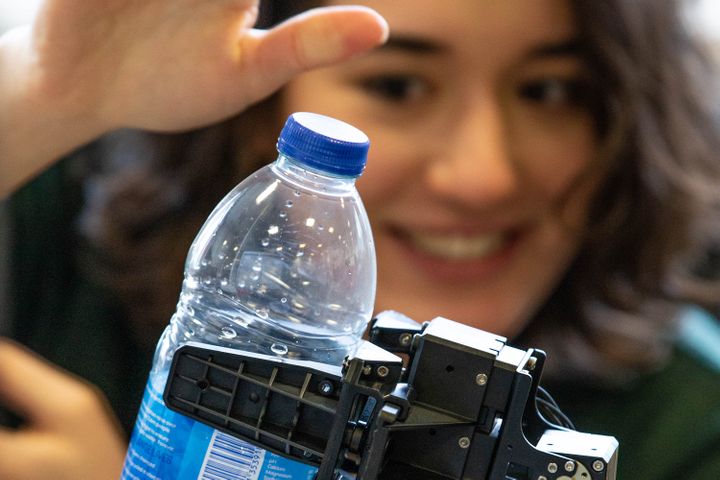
[167, 445]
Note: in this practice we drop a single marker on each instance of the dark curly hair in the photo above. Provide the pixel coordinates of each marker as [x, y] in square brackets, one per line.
[651, 221]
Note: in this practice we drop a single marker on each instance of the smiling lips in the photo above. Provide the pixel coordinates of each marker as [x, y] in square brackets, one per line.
[456, 246]
[457, 254]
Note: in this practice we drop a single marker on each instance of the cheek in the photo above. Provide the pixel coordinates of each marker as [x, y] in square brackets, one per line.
[553, 161]
[391, 169]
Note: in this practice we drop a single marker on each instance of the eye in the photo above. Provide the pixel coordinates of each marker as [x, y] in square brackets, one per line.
[556, 92]
[396, 87]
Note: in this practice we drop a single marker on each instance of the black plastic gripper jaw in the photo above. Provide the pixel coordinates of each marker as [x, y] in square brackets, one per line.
[459, 403]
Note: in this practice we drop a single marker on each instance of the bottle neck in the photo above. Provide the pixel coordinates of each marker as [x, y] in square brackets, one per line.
[312, 178]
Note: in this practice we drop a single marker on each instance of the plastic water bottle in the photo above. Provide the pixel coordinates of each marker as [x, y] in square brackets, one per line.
[284, 266]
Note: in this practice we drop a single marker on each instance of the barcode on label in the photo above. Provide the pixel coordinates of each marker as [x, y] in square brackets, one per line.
[229, 458]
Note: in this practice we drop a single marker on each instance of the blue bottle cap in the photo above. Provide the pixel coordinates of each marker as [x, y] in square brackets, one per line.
[324, 143]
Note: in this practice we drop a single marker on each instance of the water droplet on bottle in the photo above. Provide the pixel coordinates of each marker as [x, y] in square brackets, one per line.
[256, 268]
[262, 313]
[265, 242]
[320, 227]
[282, 214]
[279, 348]
[289, 204]
[207, 281]
[297, 193]
[300, 253]
[283, 300]
[190, 311]
[241, 284]
[224, 283]
[227, 333]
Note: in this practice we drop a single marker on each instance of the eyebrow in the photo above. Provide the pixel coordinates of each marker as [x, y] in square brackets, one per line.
[410, 44]
[419, 45]
[571, 47]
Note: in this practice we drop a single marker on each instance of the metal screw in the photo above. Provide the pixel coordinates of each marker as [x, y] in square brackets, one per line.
[598, 465]
[552, 467]
[367, 370]
[405, 339]
[542, 477]
[464, 442]
[531, 363]
[326, 387]
[481, 379]
[569, 466]
[383, 371]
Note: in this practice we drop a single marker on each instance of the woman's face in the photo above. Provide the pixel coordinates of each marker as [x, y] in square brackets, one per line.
[479, 134]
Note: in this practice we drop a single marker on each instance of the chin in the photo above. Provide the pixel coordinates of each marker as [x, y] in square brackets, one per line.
[506, 319]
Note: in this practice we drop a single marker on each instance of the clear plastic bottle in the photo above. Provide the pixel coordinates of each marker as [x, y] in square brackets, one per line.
[285, 266]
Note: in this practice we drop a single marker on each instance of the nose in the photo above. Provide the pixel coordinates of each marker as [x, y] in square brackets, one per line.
[473, 165]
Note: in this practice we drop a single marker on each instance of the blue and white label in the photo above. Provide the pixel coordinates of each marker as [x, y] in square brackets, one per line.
[166, 445]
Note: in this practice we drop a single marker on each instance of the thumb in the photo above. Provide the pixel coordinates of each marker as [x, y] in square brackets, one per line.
[70, 433]
[316, 38]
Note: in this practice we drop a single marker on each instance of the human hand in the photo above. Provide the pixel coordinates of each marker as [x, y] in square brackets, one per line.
[69, 431]
[86, 67]
[174, 64]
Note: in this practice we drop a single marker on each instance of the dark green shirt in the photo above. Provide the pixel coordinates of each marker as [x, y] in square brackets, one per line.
[668, 423]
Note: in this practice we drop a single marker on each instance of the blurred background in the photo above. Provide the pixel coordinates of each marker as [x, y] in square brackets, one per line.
[16, 12]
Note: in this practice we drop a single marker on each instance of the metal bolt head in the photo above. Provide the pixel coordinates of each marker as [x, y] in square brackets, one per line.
[542, 477]
[569, 466]
[326, 387]
[405, 339]
[552, 467]
[481, 379]
[383, 371]
[598, 465]
[367, 370]
[464, 442]
[531, 363]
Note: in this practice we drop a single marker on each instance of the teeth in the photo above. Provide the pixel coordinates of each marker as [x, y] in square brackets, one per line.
[458, 246]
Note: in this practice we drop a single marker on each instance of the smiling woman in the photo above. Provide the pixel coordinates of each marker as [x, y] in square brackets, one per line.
[473, 150]
[543, 170]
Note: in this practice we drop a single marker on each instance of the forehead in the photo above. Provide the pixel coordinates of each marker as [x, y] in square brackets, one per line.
[479, 27]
